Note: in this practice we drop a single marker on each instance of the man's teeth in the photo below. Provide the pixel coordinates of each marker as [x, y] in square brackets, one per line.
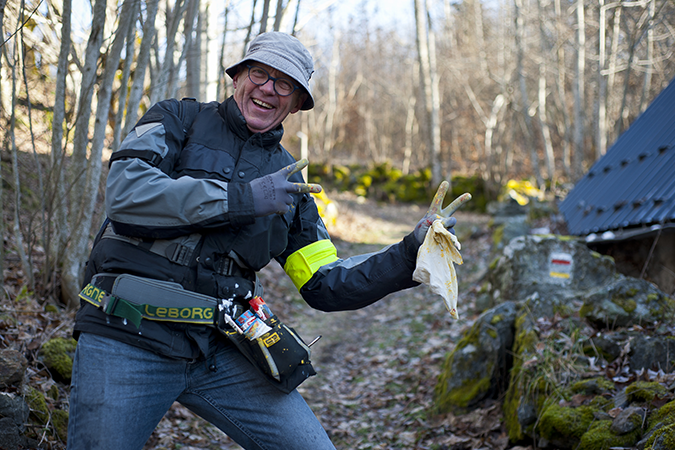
[262, 104]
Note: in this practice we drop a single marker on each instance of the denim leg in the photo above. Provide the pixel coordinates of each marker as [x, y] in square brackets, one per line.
[119, 393]
[238, 400]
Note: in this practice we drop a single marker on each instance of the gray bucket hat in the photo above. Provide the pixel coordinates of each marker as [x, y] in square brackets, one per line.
[284, 53]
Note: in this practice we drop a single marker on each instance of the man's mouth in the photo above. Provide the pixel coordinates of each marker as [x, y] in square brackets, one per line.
[262, 104]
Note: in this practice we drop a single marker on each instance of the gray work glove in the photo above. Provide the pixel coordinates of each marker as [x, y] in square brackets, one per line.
[436, 212]
[272, 193]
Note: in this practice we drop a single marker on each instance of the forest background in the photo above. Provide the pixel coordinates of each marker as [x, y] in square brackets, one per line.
[498, 89]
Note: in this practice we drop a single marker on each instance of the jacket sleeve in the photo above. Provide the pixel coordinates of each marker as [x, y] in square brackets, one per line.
[329, 283]
[143, 200]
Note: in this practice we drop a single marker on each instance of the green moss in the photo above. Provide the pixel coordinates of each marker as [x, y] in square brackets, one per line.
[493, 264]
[628, 305]
[667, 411]
[565, 424]
[645, 391]
[60, 422]
[592, 386]
[498, 235]
[492, 333]
[56, 355]
[38, 405]
[601, 437]
[521, 389]
[585, 310]
[496, 319]
[665, 437]
[469, 391]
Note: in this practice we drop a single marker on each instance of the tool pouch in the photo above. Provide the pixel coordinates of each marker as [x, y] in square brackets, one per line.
[280, 354]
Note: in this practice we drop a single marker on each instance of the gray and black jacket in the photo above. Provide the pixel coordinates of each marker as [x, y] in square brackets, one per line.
[180, 208]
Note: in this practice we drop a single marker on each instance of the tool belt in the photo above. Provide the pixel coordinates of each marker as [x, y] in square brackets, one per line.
[277, 350]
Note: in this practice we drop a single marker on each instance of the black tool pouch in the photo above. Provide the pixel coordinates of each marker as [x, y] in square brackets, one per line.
[280, 354]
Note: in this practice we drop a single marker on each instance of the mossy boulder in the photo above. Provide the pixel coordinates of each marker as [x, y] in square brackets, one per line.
[627, 301]
[645, 391]
[57, 354]
[551, 272]
[592, 386]
[477, 368]
[563, 426]
[38, 405]
[521, 402]
[600, 436]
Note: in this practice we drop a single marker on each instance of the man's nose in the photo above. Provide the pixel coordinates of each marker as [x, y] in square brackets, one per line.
[268, 87]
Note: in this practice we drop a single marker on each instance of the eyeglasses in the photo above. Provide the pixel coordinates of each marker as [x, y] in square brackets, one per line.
[282, 86]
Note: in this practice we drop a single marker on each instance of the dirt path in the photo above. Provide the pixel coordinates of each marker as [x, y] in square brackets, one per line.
[377, 367]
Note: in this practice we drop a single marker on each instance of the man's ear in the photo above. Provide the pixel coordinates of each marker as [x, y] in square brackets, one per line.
[301, 101]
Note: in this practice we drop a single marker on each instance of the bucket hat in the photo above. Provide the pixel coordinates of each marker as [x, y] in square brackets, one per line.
[284, 53]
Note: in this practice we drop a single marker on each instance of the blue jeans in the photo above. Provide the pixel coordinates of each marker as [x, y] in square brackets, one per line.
[119, 393]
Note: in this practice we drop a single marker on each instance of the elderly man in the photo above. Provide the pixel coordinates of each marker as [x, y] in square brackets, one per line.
[199, 197]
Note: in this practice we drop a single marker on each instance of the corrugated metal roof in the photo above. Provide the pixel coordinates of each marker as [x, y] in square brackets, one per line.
[632, 186]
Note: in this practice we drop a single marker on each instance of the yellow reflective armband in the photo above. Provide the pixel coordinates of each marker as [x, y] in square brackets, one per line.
[302, 264]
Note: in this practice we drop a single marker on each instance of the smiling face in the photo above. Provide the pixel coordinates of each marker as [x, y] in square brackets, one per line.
[261, 106]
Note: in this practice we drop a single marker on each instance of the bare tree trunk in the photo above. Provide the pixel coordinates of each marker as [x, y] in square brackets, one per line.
[436, 175]
[279, 15]
[192, 51]
[295, 19]
[644, 98]
[249, 30]
[422, 40]
[490, 126]
[136, 91]
[60, 206]
[72, 263]
[543, 120]
[566, 160]
[601, 114]
[524, 100]
[223, 90]
[331, 107]
[160, 89]
[18, 235]
[126, 72]
[76, 253]
[579, 93]
[2, 181]
[265, 16]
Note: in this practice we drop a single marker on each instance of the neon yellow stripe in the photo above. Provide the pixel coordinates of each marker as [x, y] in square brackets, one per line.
[302, 264]
[559, 275]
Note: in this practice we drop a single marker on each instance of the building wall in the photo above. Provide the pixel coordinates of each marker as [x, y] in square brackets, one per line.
[656, 251]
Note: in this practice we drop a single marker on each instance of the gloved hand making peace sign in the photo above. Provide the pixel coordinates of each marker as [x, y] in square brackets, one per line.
[272, 193]
[435, 212]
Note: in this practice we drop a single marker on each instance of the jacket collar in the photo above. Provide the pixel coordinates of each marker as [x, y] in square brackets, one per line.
[237, 123]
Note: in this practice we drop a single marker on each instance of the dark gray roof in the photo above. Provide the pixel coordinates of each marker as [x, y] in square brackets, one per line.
[631, 189]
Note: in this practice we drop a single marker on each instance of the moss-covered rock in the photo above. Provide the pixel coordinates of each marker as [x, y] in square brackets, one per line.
[627, 301]
[564, 426]
[480, 360]
[38, 405]
[60, 423]
[662, 439]
[592, 386]
[601, 437]
[645, 391]
[57, 355]
[522, 395]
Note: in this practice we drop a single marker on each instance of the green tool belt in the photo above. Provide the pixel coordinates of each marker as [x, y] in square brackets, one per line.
[280, 354]
[135, 298]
